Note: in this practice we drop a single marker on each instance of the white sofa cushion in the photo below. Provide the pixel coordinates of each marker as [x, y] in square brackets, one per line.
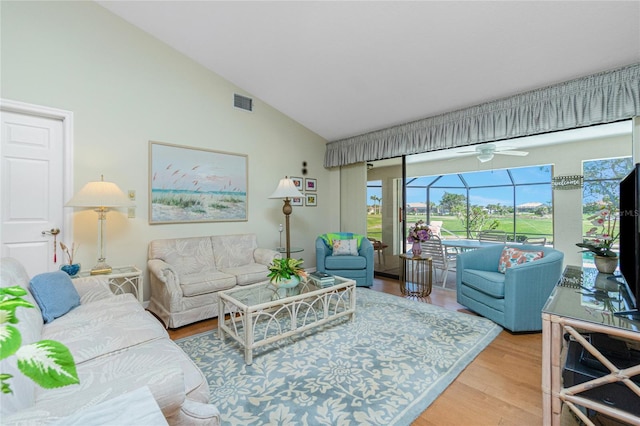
[205, 282]
[249, 274]
[96, 329]
[231, 251]
[185, 255]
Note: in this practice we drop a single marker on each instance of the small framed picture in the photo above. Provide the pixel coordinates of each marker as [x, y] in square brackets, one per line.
[310, 184]
[297, 181]
[312, 200]
[296, 201]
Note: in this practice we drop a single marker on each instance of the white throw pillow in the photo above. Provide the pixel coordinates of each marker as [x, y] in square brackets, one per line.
[345, 247]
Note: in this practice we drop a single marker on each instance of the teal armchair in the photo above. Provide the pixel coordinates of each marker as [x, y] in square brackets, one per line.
[358, 267]
[514, 299]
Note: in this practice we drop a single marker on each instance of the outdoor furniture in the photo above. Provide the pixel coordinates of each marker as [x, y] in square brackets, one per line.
[537, 241]
[513, 299]
[434, 249]
[493, 235]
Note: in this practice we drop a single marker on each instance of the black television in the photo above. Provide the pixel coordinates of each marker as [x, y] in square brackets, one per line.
[630, 240]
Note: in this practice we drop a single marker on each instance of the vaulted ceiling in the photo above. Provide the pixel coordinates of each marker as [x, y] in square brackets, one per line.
[346, 68]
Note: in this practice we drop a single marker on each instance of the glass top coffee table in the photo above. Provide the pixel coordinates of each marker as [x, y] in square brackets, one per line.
[262, 313]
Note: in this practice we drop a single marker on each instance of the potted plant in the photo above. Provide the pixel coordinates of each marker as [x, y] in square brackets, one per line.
[286, 272]
[600, 239]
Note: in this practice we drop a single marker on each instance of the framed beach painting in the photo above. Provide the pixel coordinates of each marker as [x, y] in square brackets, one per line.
[188, 185]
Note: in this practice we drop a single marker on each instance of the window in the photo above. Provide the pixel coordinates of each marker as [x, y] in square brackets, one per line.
[601, 188]
[517, 201]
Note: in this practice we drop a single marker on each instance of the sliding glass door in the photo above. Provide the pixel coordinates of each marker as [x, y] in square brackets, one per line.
[384, 214]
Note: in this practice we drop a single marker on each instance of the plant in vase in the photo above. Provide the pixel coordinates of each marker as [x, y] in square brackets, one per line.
[418, 233]
[70, 268]
[286, 272]
[600, 239]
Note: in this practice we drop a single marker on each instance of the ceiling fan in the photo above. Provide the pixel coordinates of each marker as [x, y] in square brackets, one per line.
[485, 152]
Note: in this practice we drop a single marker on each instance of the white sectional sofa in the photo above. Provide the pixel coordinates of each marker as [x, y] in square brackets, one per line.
[186, 274]
[118, 348]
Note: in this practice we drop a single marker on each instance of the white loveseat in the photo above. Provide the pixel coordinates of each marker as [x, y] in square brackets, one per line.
[117, 346]
[186, 274]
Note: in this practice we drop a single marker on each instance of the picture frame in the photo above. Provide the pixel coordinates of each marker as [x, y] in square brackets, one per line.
[191, 185]
[297, 181]
[310, 184]
[311, 200]
[297, 201]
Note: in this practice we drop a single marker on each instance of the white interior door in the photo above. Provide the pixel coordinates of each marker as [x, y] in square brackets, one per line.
[35, 177]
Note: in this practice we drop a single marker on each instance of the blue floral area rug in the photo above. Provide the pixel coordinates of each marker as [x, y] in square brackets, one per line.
[384, 368]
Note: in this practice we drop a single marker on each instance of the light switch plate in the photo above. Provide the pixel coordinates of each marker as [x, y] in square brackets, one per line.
[132, 194]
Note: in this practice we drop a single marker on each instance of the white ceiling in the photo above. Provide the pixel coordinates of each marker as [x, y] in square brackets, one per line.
[346, 68]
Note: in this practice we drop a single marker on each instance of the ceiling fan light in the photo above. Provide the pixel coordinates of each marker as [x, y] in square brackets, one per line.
[484, 157]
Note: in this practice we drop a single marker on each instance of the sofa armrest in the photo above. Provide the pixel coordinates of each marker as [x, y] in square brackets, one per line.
[265, 256]
[165, 273]
[322, 251]
[92, 288]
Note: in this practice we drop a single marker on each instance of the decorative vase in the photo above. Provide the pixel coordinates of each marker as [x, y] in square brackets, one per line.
[72, 269]
[287, 286]
[605, 264]
[416, 249]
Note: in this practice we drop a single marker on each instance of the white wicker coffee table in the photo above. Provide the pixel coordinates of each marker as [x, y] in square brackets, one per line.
[260, 314]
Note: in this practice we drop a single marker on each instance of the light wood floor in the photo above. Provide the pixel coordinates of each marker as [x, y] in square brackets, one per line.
[502, 386]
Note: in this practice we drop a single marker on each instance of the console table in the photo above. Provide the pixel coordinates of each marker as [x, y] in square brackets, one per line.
[584, 301]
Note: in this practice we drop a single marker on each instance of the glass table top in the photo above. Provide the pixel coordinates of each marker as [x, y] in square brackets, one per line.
[585, 294]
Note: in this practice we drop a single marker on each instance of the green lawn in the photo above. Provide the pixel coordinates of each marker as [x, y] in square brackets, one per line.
[528, 225]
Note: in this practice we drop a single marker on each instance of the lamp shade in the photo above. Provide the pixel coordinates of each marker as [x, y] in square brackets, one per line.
[286, 189]
[100, 194]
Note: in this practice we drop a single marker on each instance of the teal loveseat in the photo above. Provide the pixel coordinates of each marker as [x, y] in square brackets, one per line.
[513, 299]
[358, 267]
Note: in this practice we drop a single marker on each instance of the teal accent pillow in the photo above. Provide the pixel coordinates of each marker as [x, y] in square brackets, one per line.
[55, 294]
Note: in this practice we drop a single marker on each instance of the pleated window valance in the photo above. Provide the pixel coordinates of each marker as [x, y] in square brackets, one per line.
[600, 98]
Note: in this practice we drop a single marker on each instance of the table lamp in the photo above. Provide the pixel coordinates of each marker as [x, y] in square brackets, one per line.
[287, 189]
[100, 196]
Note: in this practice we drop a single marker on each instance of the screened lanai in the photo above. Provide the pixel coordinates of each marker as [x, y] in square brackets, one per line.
[515, 200]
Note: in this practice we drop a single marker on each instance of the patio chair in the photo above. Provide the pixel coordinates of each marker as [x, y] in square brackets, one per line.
[434, 249]
[536, 241]
[493, 235]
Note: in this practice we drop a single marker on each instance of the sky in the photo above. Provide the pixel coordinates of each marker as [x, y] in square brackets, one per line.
[485, 186]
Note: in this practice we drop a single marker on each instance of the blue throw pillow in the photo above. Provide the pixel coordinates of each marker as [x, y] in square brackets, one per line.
[55, 294]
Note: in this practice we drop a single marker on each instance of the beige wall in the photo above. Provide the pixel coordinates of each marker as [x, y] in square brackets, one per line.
[126, 88]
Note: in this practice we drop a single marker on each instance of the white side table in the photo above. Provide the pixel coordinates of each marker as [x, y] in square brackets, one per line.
[123, 279]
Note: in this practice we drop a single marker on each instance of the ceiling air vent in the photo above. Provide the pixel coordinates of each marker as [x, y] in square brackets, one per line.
[242, 102]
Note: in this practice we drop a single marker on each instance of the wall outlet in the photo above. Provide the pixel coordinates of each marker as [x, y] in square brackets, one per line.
[131, 213]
